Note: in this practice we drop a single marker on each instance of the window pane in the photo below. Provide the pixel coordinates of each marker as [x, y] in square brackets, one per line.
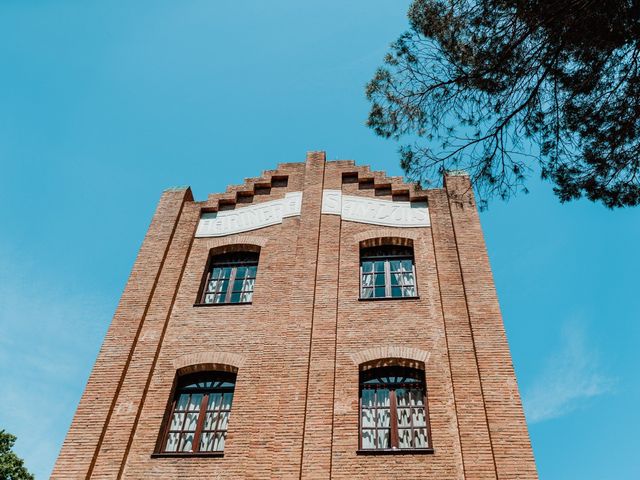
[214, 401]
[367, 280]
[246, 296]
[208, 298]
[409, 291]
[404, 418]
[382, 398]
[402, 397]
[367, 267]
[367, 398]
[395, 265]
[396, 292]
[404, 438]
[380, 293]
[224, 419]
[379, 279]
[218, 444]
[416, 397]
[172, 442]
[396, 279]
[407, 278]
[226, 401]
[368, 439]
[194, 403]
[383, 439]
[248, 284]
[207, 441]
[379, 266]
[241, 272]
[407, 265]
[186, 442]
[235, 297]
[367, 292]
[251, 271]
[367, 418]
[237, 284]
[191, 422]
[211, 287]
[420, 438]
[384, 418]
[216, 273]
[418, 417]
[211, 421]
[177, 421]
[183, 401]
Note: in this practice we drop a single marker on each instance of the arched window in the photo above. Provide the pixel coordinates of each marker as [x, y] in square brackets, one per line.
[199, 415]
[393, 410]
[230, 278]
[387, 271]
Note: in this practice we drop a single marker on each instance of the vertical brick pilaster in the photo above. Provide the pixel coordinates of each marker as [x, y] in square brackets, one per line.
[316, 459]
[303, 293]
[509, 435]
[473, 430]
[119, 432]
[96, 405]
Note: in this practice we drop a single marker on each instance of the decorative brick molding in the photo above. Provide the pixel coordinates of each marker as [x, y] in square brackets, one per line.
[390, 356]
[196, 362]
[236, 240]
[385, 236]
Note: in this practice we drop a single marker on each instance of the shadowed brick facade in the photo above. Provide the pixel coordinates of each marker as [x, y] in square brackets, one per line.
[299, 346]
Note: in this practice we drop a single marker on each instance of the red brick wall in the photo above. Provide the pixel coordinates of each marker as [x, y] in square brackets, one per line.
[298, 346]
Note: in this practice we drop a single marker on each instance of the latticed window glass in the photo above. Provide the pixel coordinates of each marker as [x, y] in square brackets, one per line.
[231, 278]
[393, 410]
[387, 272]
[200, 413]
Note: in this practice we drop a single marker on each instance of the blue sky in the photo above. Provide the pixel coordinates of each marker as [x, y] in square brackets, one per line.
[105, 104]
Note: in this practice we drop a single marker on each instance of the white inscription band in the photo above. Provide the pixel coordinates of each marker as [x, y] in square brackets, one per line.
[375, 211]
[252, 217]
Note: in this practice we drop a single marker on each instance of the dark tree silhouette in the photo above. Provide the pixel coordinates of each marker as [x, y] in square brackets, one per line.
[11, 466]
[506, 88]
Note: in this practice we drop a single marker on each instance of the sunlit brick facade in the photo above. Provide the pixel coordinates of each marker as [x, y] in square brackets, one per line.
[299, 346]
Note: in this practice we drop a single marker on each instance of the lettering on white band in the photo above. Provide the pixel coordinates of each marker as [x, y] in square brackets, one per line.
[252, 217]
[375, 211]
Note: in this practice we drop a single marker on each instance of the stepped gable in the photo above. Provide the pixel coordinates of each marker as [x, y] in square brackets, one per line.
[253, 187]
[383, 185]
[377, 180]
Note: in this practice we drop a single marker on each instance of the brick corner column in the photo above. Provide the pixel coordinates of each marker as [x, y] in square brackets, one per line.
[507, 426]
[473, 429]
[85, 435]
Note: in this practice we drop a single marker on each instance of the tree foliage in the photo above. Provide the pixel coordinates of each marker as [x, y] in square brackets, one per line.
[505, 88]
[11, 466]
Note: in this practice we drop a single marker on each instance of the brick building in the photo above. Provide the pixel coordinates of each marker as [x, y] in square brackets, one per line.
[320, 321]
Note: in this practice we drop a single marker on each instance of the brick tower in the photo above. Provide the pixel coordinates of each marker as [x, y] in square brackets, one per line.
[320, 321]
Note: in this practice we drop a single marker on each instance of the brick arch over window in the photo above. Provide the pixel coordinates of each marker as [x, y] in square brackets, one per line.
[208, 361]
[236, 243]
[389, 356]
[385, 236]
